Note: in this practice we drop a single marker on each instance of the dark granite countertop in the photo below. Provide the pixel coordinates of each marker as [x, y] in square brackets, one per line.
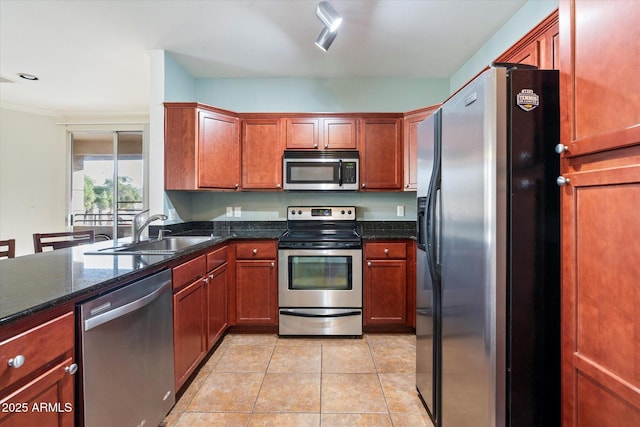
[33, 283]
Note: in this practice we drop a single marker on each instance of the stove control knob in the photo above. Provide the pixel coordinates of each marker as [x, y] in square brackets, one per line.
[349, 211]
[299, 212]
[342, 211]
[293, 212]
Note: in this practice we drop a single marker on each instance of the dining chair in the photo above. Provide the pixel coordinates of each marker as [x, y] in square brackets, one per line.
[61, 240]
[10, 251]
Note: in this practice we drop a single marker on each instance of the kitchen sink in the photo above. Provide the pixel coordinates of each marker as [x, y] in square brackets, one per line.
[167, 246]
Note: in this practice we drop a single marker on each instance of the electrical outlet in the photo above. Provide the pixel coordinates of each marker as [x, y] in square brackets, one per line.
[237, 211]
[400, 210]
[229, 211]
[172, 214]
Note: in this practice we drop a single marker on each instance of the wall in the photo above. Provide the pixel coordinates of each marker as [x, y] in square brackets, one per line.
[33, 181]
[523, 21]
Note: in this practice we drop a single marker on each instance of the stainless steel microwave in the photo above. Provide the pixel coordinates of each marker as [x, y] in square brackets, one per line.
[320, 170]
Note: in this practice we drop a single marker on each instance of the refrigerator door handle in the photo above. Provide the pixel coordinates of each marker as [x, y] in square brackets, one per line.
[432, 244]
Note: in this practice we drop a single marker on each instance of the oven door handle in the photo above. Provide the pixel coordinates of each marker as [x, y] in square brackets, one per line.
[302, 314]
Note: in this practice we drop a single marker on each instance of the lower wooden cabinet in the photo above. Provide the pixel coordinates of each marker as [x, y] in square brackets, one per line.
[256, 283]
[388, 293]
[200, 315]
[37, 379]
[189, 333]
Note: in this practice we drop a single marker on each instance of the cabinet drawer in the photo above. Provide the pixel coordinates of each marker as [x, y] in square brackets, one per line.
[189, 272]
[256, 250]
[218, 257]
[385, 250]
[38, 346]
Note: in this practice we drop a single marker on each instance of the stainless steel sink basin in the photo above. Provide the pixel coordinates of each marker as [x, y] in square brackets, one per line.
[167, 246]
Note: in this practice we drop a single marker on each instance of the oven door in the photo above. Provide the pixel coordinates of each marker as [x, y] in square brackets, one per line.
[320, 278]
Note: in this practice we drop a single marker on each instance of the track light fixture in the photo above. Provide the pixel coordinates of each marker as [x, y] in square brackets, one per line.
[328, 15]
[325, 39]
[331, 20]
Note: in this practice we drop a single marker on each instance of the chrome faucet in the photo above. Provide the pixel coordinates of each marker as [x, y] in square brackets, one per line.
[138, 225]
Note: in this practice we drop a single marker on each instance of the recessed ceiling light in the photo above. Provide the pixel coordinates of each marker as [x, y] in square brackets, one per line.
[27, 76]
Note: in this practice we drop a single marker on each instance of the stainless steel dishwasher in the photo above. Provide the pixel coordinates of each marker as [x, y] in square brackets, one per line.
[127, 354]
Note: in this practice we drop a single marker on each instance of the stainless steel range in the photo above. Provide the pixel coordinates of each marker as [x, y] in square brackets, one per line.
[320, 272]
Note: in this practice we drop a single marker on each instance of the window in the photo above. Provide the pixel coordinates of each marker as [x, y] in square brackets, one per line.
[98, 161]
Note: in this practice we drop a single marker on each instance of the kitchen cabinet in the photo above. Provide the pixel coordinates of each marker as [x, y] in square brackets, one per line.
[381, 154]
[600, 201]
[261, 149]
[256, 283]
[37, 379]
[411, 121]
[189, 317]
[385, 283]
[540, 47]
[324, 133]
[217, 287]
[202, 148]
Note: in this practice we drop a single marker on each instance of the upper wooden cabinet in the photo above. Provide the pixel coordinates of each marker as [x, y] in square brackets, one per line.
[411, 121]
[322, 133]
[262, 154]
[202, 148]
[381, 154]
[540, 47]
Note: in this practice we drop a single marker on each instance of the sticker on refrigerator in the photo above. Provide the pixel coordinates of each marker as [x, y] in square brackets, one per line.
[527, 100]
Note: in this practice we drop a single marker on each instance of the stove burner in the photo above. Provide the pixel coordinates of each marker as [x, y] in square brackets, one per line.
[310, 227]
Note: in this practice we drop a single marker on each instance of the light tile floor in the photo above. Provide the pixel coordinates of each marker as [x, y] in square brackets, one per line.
[264, 380]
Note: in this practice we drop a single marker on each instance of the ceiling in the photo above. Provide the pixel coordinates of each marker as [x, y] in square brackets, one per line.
[91, 55]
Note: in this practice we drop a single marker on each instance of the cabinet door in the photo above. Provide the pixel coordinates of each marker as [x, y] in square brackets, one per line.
[600, 277]
[189, 334]
[47, 400]
[217, 304]
[218, 155]
[302, 133]
[600, 100]
[411, 123]
[261, 154]
[385, 292]
[339, 134]
[256, 292]
[381, 154]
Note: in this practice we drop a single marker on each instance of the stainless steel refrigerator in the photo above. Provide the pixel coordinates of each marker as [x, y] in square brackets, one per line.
[488, 257]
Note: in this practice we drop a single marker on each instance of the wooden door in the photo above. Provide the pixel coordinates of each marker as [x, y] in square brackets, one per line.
[381, 154]
[302, 133]
[385, 292]
[261, 154]
[217, 301]
[600, 127]
[256, 292]
[339, 134]
[411, 122]
[47, 400]
[189, 334]
[218, 155]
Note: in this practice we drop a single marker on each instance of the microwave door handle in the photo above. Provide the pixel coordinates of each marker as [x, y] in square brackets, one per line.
[340, 173]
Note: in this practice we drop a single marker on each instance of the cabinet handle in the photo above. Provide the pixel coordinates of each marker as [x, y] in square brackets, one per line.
[237, 185]
[326, 145]
[255, 251]
[279, 185]
[561, 148]
[16, 362]
[386, 250]
[205, 279]
[368, 263]
[71, 369]
[315, 145]
[364, 185]
[561, 181]
[406, 186]
[273, 264]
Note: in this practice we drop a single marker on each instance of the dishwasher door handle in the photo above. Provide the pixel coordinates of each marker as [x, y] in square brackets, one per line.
[123, 310]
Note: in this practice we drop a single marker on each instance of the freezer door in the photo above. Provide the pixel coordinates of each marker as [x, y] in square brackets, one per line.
[473, 235]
